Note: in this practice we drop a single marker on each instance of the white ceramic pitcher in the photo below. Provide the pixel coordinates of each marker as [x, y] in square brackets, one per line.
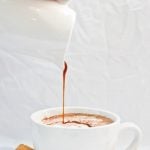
[38, 28]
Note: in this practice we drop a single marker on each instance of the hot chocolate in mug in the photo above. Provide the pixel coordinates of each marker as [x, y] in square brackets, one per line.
[104, 137]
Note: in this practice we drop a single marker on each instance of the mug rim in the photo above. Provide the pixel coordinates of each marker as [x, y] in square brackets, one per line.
[115, 121]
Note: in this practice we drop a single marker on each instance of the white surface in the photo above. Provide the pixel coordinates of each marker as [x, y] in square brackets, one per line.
[109, 61]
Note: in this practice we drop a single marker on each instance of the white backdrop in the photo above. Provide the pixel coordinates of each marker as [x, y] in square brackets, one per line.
[109, 68]
[110, 59]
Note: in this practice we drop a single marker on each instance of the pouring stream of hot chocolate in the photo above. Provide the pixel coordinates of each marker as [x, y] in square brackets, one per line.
[64, 87]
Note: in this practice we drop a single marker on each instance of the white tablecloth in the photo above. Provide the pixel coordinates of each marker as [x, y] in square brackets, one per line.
[109, 68]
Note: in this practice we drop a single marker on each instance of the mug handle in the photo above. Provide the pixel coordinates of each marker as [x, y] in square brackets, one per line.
[137, 134]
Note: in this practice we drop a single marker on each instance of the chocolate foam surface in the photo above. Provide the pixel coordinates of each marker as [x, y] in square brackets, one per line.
[77, 120]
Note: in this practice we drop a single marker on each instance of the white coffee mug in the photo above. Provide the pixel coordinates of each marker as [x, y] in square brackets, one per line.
[97, 138]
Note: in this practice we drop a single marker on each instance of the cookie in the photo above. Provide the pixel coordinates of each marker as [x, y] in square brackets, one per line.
[23, 147]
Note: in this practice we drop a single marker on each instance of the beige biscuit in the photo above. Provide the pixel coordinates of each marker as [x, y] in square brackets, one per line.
[23, 147]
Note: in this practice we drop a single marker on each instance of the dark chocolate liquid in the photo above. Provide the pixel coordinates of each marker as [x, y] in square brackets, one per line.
[64, 88]
[77, 120]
